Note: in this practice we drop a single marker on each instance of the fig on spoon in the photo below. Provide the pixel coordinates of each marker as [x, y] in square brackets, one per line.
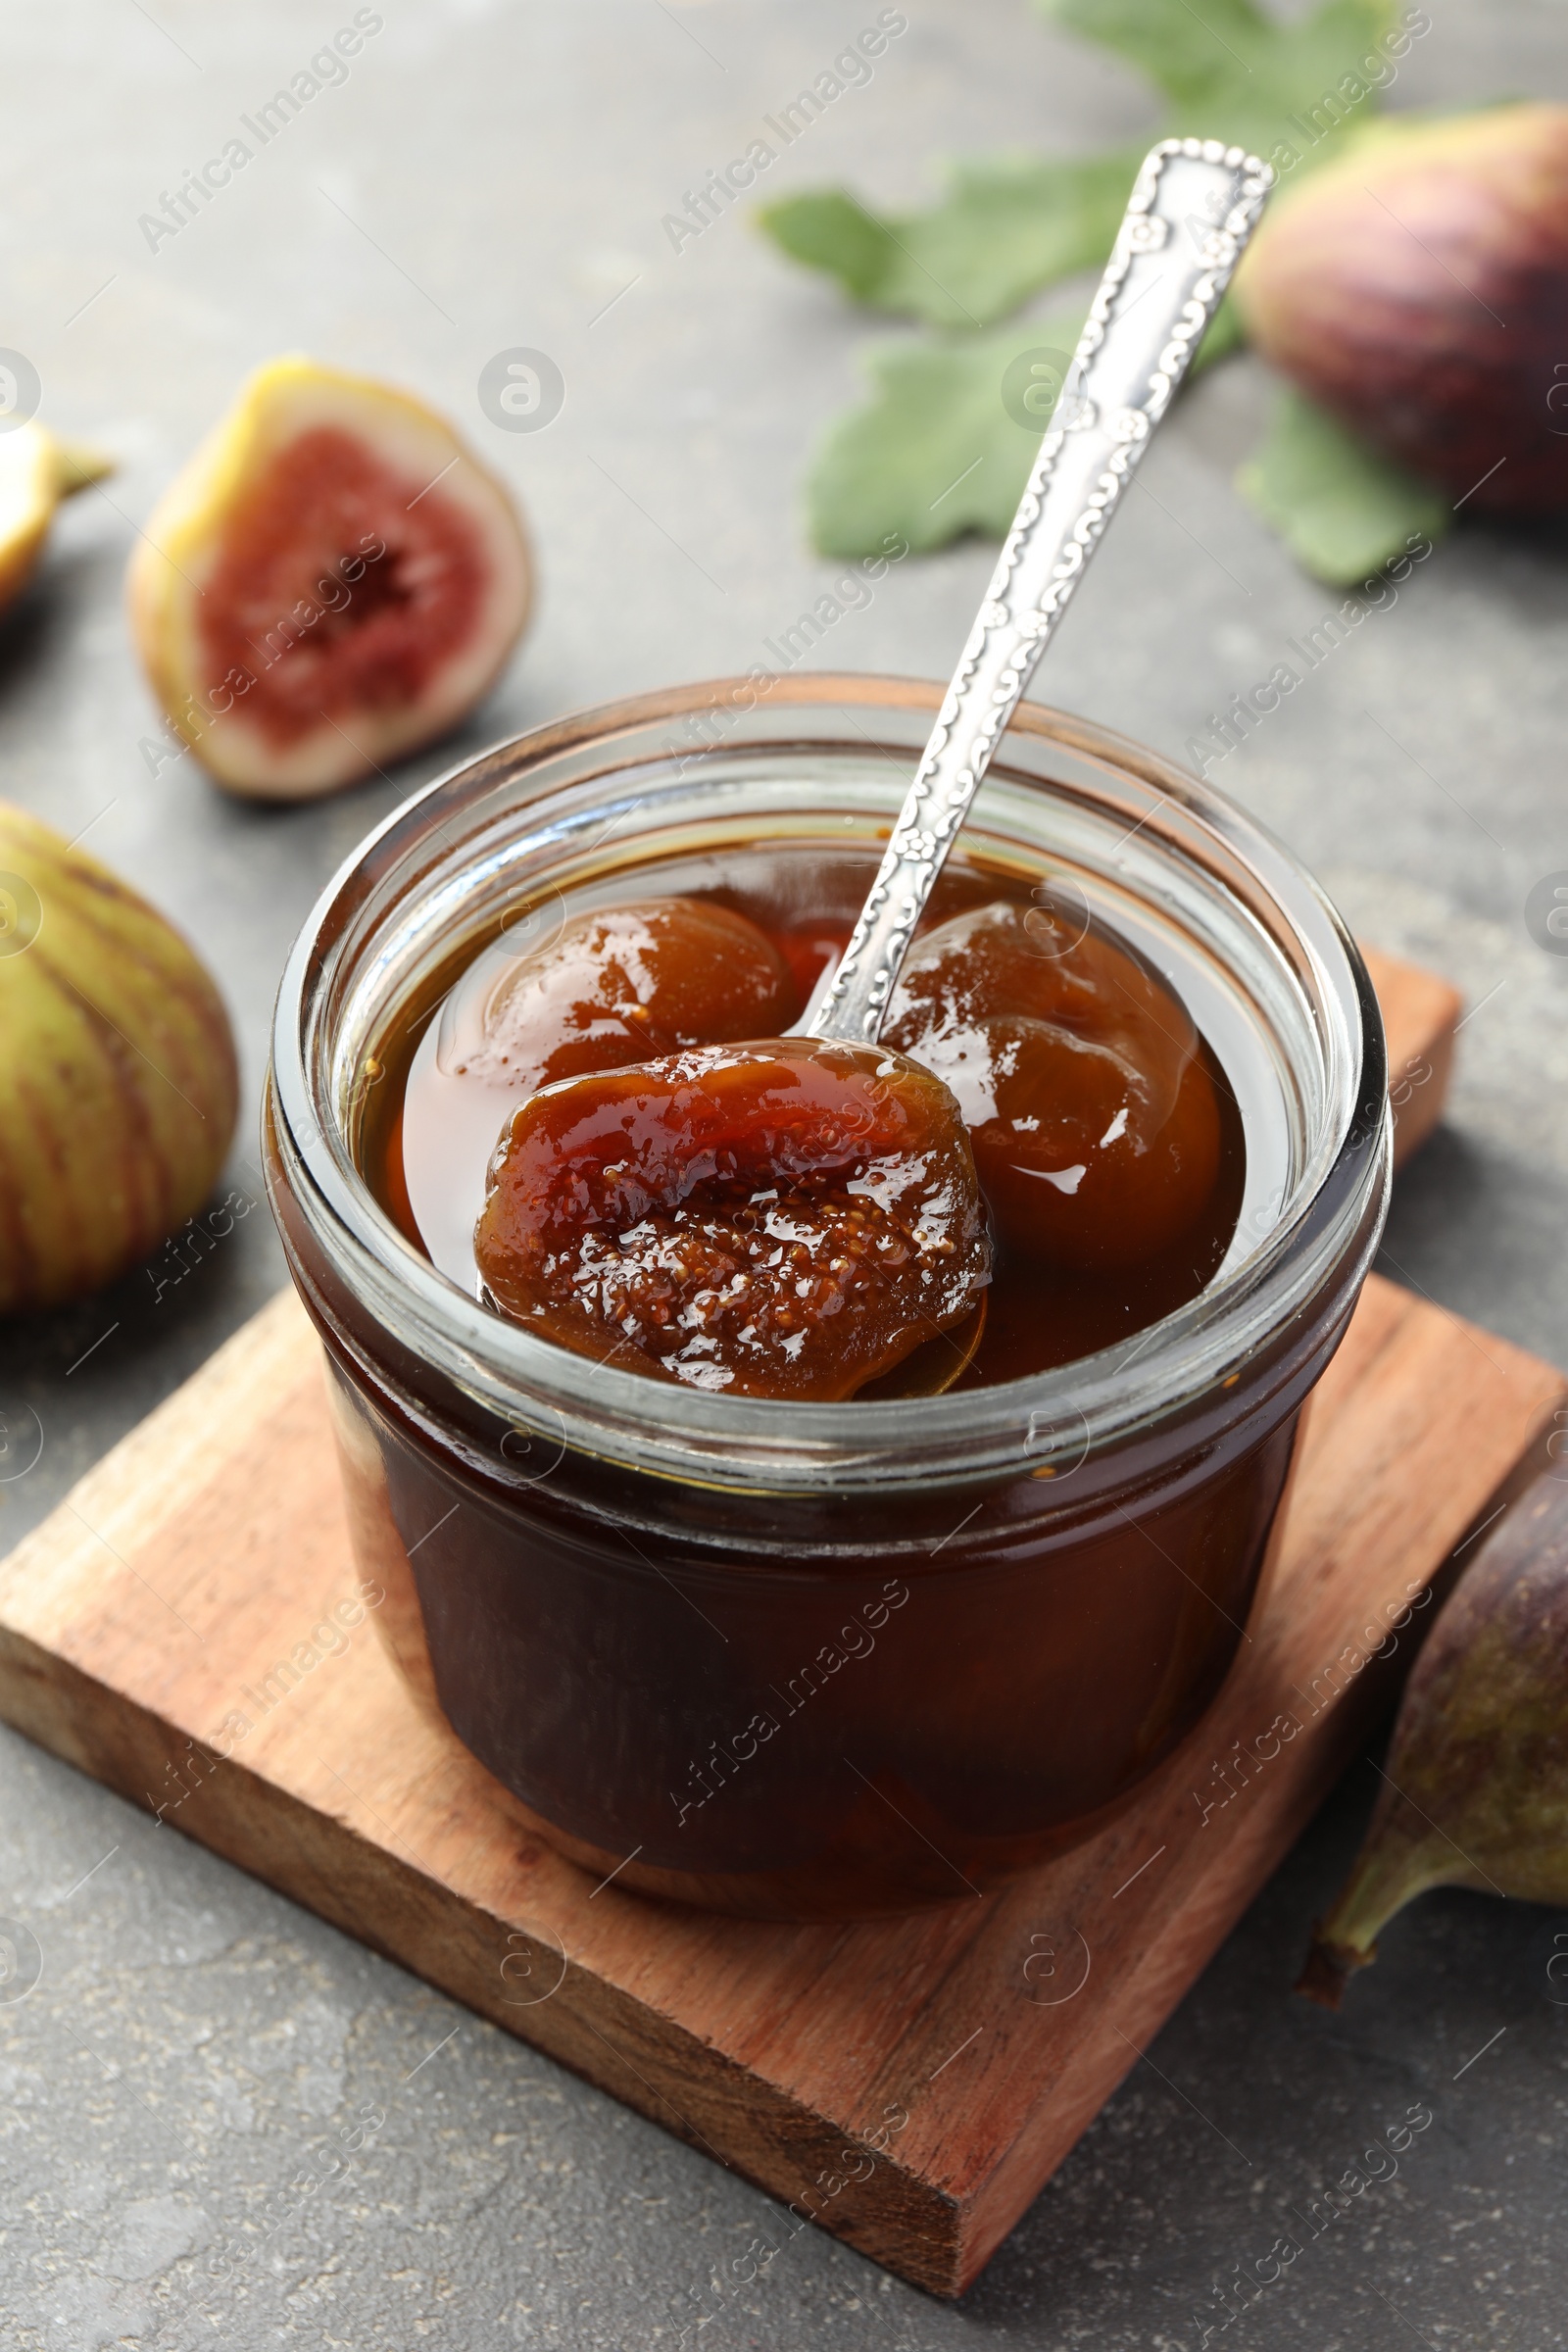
[777, 1219]
[709, 1215]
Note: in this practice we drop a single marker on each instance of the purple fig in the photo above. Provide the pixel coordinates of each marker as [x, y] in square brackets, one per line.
[1476, 1786]
[1417, 288]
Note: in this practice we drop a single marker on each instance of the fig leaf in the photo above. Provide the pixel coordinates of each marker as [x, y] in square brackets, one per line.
[1007, 226]
[1339, 508]
[1180, 51]
[1231, 72]
[937, 451]
[934, 453]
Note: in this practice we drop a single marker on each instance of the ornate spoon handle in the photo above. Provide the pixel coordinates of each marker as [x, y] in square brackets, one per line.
[1190, 214]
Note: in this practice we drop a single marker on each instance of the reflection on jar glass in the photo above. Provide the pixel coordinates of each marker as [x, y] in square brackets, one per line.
[801, 1659]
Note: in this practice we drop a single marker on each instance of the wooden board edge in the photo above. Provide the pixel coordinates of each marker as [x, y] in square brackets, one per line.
[1421, 1016]
[150, 1464]
[1156, 1990]
[649, 2062]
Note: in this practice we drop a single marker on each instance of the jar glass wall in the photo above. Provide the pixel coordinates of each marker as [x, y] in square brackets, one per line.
[823, 1660]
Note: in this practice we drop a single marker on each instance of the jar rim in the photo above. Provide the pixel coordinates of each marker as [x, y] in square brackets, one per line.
[1326, 1233]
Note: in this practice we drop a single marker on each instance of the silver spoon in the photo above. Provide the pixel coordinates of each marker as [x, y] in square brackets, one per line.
[1194, 207]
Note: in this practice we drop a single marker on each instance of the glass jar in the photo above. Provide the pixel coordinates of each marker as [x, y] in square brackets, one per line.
[806, 1660]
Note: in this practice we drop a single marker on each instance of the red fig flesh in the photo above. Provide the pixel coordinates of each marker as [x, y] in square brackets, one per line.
[1476, 1786]
[333, 581]
[1417, 288]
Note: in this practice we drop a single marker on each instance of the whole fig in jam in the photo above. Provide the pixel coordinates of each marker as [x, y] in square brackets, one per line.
[616, 985]
[1092, 1115]
[1417, 288]
[118, 1079]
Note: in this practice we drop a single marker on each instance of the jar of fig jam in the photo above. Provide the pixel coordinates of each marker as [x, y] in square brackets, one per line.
[791, 1659]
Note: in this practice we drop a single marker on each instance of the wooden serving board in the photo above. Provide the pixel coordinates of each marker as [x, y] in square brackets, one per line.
[1421, 1021]
[909, 2085]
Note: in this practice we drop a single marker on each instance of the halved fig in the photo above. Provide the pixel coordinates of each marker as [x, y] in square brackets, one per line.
[773, 1219]
[332, 581]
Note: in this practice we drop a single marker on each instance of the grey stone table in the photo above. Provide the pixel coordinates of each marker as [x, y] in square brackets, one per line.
[490, 175]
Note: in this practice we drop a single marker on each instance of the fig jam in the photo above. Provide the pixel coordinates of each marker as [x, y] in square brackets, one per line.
[1108, 1142]
[777, 1657]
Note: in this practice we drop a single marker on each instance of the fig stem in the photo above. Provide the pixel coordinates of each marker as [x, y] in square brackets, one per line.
[1329, 1966]
[77, 465]
[1389, 1872]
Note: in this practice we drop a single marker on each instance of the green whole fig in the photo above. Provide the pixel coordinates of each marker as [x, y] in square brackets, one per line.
[1476, 1786]
[118, 1085]
[1416, 287]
